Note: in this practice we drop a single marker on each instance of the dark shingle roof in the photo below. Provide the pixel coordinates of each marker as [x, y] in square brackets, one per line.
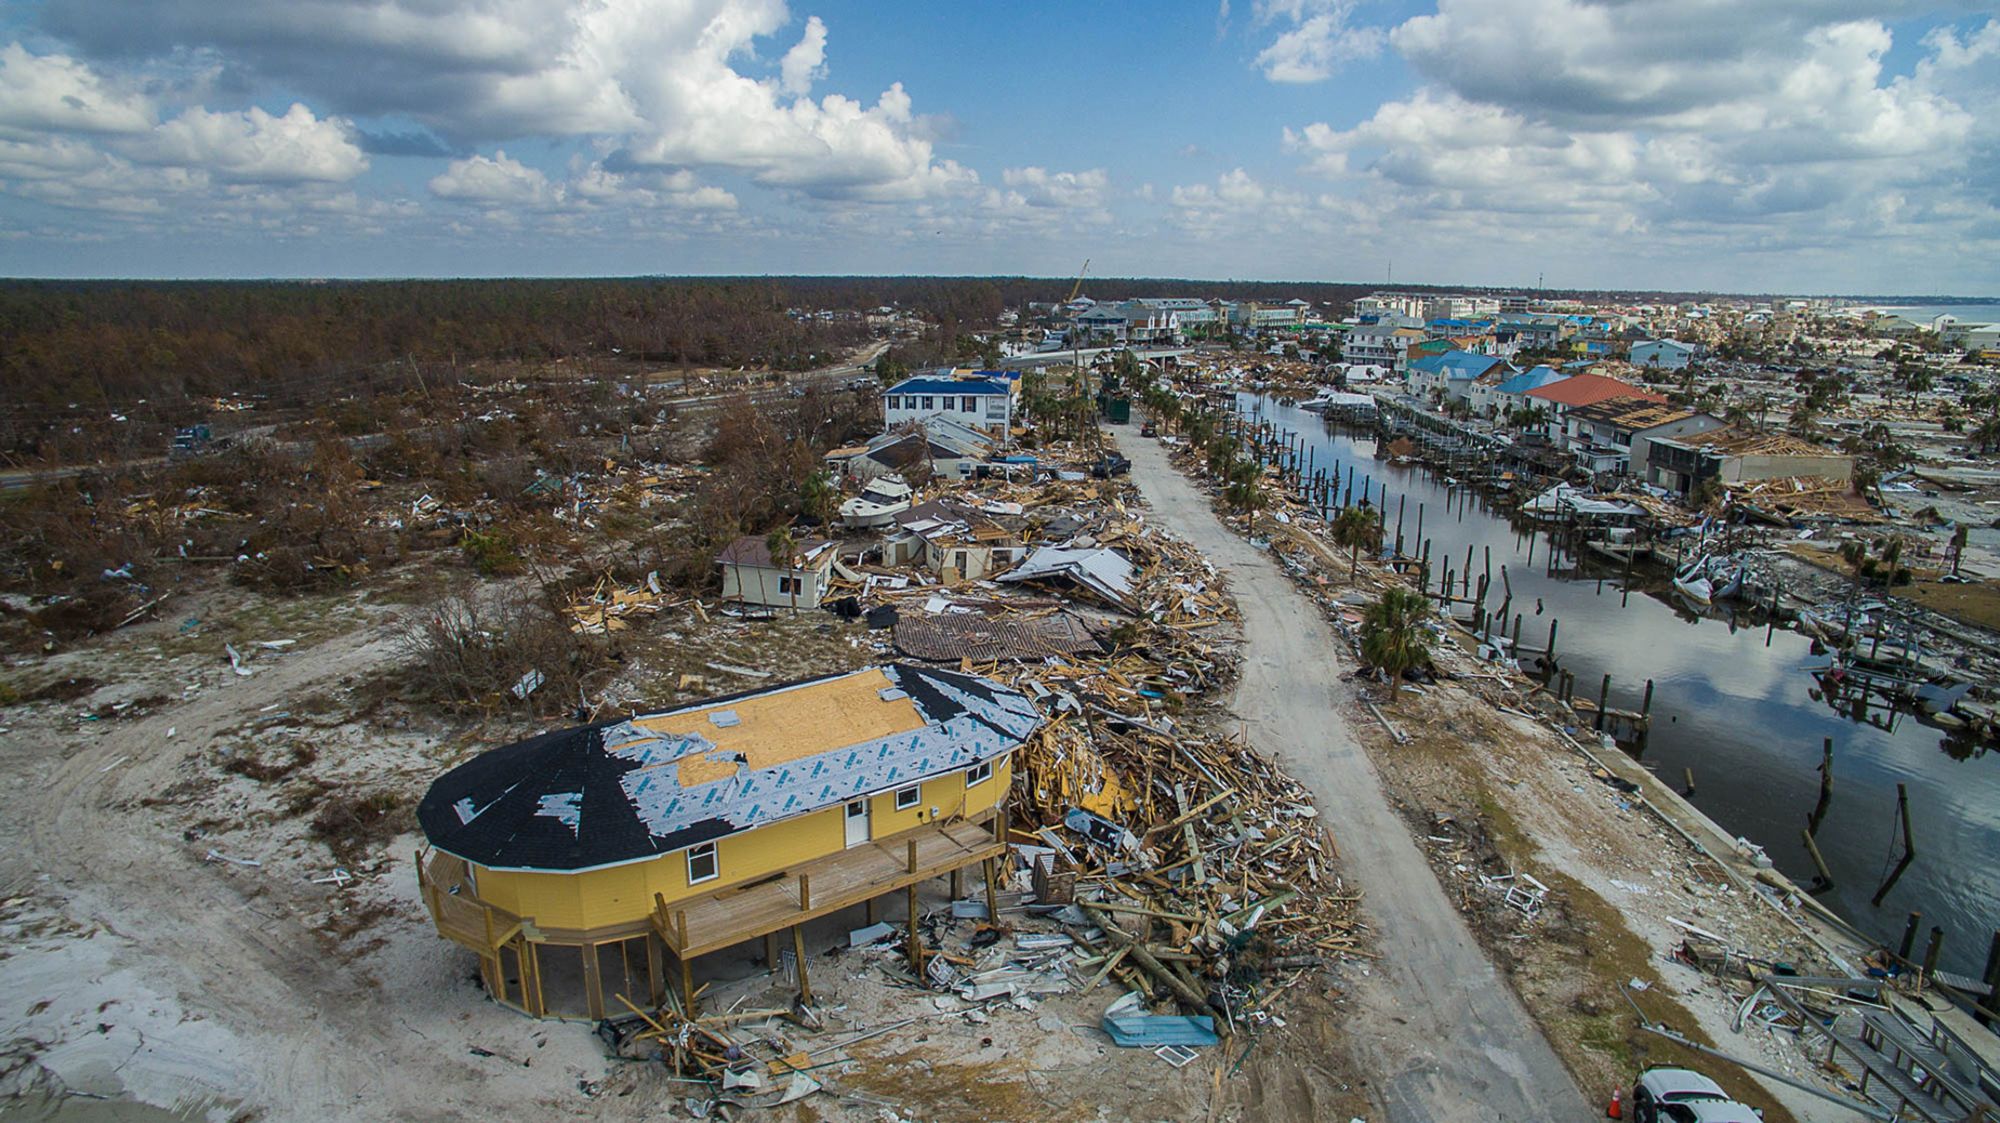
[613, 792]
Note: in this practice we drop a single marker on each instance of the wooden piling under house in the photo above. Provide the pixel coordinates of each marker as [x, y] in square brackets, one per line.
[576, 864]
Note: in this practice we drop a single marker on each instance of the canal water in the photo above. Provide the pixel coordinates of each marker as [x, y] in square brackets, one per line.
[1735, 704]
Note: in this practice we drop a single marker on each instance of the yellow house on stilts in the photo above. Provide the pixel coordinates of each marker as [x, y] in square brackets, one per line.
[575, 863]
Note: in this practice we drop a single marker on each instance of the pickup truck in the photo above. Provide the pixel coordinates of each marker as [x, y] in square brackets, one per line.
[1682, 1095]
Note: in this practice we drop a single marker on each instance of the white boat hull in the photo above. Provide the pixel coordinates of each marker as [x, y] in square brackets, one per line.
[1696, 589]
[864, 515]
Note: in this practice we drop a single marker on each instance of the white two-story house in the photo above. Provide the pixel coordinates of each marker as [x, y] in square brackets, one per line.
[983, 399]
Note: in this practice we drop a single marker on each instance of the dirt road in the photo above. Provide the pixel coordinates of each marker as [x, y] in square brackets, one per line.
[214, 983]
[1445, 1035]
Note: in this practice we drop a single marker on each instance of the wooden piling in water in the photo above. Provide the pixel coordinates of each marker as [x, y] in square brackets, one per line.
[1932, 952]
[1825, 785]
[1989, 1007]
[1910, 936]
[1909, 846]
[1823, 879]
[1603, 698]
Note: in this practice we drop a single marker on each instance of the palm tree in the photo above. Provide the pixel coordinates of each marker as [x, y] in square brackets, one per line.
[817, 495]
[1356, 528]
[1244, 490]
[783, 550]
[1393, 638]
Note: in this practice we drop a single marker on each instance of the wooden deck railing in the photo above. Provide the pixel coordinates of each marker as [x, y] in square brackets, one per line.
[812, 889]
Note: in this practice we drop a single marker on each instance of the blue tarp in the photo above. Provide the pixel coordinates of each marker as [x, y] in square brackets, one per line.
[1150, 1031]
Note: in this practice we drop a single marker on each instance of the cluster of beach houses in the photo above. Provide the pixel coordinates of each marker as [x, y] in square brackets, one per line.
[1616, 428]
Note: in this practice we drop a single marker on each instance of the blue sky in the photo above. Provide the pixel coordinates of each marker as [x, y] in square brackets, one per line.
[1737, 145]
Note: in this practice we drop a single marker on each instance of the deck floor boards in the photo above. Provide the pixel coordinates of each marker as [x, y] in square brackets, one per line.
[871, 869]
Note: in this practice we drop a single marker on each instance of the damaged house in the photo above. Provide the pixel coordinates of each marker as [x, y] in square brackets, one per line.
[938, 446]
[574, 863]
[953, 540]
[751, 576]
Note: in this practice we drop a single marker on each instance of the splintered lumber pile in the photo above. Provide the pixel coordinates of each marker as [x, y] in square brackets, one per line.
[608, 605]
[1205, 865]
[755, 1068]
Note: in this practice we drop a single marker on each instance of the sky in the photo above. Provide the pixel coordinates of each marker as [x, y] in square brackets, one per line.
[1800, 146]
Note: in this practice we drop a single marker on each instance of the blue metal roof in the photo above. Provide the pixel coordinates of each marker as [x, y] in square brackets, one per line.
[921, 385]
[1456, 364]
[1530, 380]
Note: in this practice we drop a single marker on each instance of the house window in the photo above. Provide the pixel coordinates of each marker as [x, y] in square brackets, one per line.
[895, 401]
[702, 865]
[930, 402]
[789, 585]
[979, 773]
[909, 797]
[968, 403]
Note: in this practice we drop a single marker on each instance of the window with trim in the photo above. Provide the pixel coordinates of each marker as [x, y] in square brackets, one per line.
[791, 585]
[979, 773]
[895, 401]
[702, 864]
[909, 797]
[968, 403]
[930, 402]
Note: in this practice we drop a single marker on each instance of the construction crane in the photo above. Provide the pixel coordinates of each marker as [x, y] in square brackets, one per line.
[1078, 286]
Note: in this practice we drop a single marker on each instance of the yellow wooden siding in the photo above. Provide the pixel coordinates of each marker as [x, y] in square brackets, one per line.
[624, 894]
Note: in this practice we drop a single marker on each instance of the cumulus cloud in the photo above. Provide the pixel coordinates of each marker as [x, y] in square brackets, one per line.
[1317, 41]
[668, 82]
[253, 146]
[1236, 203]
[1771, 126]
[805, 63]
[500, 180]
[493, 180]
[58, 93]
[1040, 187]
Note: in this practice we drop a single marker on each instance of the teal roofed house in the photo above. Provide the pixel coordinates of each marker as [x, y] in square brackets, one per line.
[1511, 393]
[1451, 373]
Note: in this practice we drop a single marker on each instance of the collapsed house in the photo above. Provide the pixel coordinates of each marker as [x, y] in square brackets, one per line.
[944, 447]
[1100, 572]
[954, 540]
[572, 863]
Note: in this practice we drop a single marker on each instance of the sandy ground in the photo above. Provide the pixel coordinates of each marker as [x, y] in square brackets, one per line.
[180, 943]
[1438, 1026]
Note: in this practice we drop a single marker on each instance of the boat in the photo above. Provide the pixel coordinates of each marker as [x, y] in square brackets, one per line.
[879, 503]
[1705, 579]
[1691, 581]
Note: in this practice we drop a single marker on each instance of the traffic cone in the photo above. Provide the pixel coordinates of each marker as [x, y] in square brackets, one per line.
[1616, 1108]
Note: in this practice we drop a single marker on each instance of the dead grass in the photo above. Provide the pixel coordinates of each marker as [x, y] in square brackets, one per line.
[1977, 603]
[355, 823]
[927, 1085]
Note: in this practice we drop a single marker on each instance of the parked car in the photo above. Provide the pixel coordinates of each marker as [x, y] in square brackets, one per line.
[1149, 430]
[1682, 1095]
[1111, 465]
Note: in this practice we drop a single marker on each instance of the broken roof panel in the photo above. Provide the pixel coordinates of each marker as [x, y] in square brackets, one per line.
[630, 790]
[1102, 571]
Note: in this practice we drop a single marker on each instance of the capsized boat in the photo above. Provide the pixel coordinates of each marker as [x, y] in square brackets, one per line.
[881, 501]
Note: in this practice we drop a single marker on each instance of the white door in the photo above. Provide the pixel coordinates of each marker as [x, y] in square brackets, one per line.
[857, 822]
